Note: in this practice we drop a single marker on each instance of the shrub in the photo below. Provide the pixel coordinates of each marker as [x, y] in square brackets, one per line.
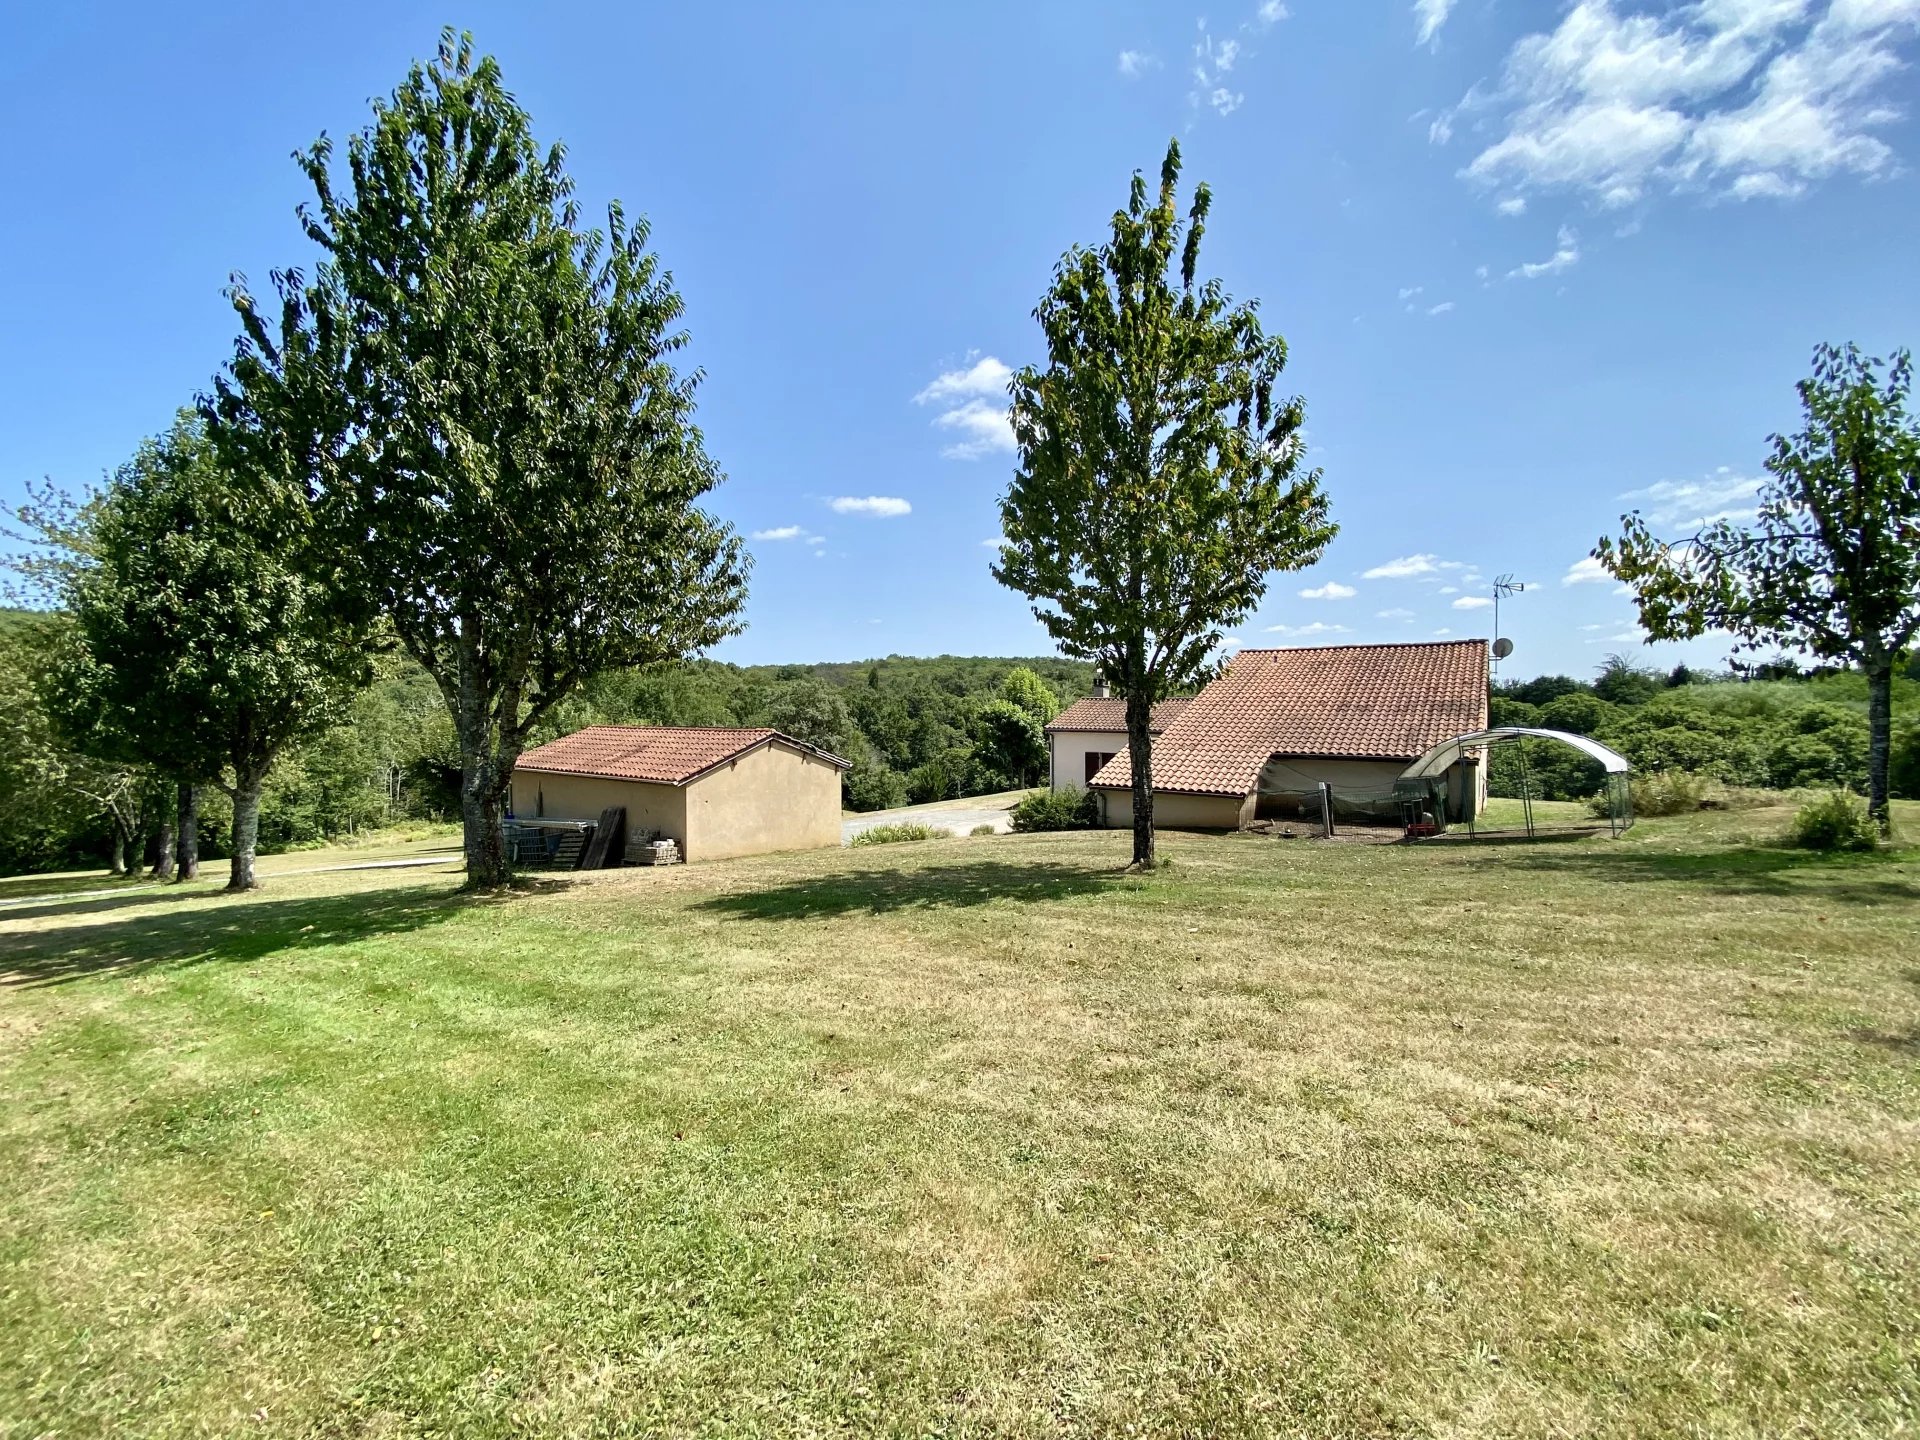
[872, 786]
[1667, 792]
[1838, 820]
[983, 830]
[896, 834]
[1069, 809]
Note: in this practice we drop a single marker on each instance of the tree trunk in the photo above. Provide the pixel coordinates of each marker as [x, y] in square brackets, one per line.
[117, 851]
[163, 861]
[482, 793]
[1879, 742]
[1140, 753]
[246, 832]
[187, 842]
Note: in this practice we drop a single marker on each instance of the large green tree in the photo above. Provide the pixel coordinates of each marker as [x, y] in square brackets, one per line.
[201, 644]
[1160, 476]
[483, 399]
[1830, 564]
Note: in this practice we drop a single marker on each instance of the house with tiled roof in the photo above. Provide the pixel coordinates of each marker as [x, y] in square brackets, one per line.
[716, 791]
[1259, 741]
[1082, 738]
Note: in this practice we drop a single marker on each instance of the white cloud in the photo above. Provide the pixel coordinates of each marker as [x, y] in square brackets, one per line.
[1332, 590]
[994, 542]
[1394, 614]
[1305, 632]
[1438, 633]
[1746, 99]
[881, 506]
[782, 532]
[1449, 589]
[1566, 255]
[984, 428]
[1472, 602]
[1135, 63]
[1211, 61]
[1513, 205]
[1404, 568]
[1690, 504]
[1600, 626]
[1624, 637]
[1586, 570]
[1271, 11]
[1441, 309]
[980, 420]
[1407, 292]
[986, 376]
[1430, 15]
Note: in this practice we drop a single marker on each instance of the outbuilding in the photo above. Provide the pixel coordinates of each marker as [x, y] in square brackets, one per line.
[717, 792]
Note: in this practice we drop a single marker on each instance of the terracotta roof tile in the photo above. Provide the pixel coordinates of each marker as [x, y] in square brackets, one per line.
[1356, 702]
[658, 754]
[1107, 715]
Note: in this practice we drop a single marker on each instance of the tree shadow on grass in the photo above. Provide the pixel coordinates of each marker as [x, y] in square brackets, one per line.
[1887, 878]
[159, 892]
[240, 931]
[884, 891]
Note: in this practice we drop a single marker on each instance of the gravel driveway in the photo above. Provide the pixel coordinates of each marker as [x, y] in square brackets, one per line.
[959, 817]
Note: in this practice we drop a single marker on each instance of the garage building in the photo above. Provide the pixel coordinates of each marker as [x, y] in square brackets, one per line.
[717, 792]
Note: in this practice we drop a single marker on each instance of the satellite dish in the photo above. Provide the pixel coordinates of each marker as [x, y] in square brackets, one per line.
[1502, 648]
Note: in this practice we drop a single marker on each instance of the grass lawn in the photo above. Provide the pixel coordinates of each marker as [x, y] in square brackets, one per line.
[979, 1136]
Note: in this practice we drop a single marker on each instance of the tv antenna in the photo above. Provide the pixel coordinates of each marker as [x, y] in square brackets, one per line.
[1504, 586]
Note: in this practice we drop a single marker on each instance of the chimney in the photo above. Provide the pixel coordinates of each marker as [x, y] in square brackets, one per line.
[1100, 691]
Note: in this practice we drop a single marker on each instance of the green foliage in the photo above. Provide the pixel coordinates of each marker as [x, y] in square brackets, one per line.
[980, 830]
[205, 642]
[1622, 682]
[1010, 748]
[486, 399]
[1829, 565]
[1578, 713]
[1159, 480]
[1667, 792]
[1068, 809]
[812, 712]
[900, 834]
[873, 786]
[1027, 690]
[1838, 820]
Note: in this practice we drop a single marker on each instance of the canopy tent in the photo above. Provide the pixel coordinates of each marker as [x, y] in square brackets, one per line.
[1425, 771]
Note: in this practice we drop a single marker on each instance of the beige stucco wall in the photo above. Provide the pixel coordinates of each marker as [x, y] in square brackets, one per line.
[1070, 750]
[1179, 812]
[583, 797]
[769, 799]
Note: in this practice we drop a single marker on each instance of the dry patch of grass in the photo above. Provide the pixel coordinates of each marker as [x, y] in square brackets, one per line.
[1591, 1137]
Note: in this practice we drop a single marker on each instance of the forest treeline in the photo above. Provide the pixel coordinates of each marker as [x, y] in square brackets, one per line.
[915, 729]
[1771, 726]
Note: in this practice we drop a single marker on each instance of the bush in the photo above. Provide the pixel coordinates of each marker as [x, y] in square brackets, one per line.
[871, 785]
[1069, 809]
[896, 834]
[983, 830]
[1667, 792]
[1838, 820]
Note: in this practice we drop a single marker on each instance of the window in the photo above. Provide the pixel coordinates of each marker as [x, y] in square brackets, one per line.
[1094, 761]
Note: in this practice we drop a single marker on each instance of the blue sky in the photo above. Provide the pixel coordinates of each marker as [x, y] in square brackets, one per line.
[1537, 264]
